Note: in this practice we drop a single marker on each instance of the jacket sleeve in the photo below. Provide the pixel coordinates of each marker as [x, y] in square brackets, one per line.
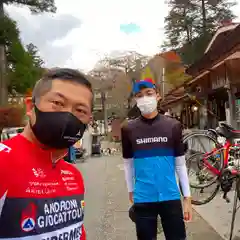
[83, 236]
[4, 169]
[81, 180]
[178, 140]
[180, 162]
[127, 151]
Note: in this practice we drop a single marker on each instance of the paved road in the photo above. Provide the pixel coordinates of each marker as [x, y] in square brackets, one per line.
[107, 204]
[218, 214]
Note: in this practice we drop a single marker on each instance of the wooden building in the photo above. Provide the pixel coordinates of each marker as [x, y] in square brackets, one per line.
[216, 79]
[213, 93]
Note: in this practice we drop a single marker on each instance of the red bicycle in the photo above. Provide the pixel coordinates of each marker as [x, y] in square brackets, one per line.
[219, 168]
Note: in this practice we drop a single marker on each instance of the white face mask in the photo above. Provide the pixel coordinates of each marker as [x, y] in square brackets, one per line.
[147, 104]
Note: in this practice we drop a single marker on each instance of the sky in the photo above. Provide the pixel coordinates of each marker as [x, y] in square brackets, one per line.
[83, 32]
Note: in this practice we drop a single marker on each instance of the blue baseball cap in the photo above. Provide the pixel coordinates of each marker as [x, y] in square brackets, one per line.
[143, 83]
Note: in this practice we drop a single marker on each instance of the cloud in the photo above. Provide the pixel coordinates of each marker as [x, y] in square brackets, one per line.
[43, 30]
[82, 32]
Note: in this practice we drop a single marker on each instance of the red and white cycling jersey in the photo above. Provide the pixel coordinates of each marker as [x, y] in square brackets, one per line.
[38, 201]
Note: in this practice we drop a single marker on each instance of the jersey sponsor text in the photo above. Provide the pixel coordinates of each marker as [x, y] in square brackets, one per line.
[60, 212]
[151, 140]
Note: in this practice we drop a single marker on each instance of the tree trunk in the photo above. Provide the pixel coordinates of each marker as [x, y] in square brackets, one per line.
[204, 17]
[104, 108]
[231, 97]
[186, 25]
[3, 84]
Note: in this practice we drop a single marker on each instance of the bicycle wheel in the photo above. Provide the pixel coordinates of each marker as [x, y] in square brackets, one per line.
[200, 142]
[205, 195]
[199, 174]
[203, 143]
[235, 208]
[238, 187]
[204, 185]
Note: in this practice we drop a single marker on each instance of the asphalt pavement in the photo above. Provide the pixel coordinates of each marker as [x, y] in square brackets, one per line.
[106, 201]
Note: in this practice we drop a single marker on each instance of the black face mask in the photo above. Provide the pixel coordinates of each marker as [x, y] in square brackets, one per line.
[57, 130]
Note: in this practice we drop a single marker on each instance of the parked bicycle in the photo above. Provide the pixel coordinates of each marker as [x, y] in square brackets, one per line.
[218, 168]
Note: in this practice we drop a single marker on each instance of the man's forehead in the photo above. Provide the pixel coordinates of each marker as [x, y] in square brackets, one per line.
[145, 89]
[71, 91]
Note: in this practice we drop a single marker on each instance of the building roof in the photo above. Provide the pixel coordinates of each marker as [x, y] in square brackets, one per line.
[219, 33]
[223, 44]
[174, 96]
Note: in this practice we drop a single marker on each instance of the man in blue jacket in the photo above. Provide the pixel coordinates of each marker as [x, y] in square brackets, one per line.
[153, 153]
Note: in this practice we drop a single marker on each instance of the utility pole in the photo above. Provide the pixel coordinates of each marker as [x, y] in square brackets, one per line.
[104, 109]
[163, 83]
[204, 17]
[231, 98]
[3, 67]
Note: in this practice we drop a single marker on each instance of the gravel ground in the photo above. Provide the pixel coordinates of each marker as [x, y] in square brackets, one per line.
[107, 204]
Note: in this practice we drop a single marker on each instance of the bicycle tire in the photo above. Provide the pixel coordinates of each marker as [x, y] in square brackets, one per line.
[204, 201]
[206, 134]
[207, 200]
[201, 185]
[234, 211]
[214, 140]
[238, 187]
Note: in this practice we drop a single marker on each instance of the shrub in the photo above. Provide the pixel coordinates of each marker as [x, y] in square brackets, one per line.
[11, 116]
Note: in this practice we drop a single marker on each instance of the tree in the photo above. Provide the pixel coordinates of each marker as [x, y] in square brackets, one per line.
[175, 75]
[191, 24]
[11, 116]
[36, 6]
[131, 63]
[33, 52]
[110, 91]
[24, 66]
[179, 24]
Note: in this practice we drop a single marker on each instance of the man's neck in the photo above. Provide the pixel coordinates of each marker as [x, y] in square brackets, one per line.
[28, 134]
[151, 115]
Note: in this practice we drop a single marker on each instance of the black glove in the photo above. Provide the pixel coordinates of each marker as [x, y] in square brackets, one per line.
[131, 213]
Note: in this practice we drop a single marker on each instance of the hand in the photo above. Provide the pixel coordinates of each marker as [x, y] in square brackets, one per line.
[131, 197]
[187, 209]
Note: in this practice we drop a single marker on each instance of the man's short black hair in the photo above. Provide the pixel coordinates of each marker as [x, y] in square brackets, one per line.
[66, 74]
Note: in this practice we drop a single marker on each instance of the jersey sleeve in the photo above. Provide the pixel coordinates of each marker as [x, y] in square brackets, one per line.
[178, 140]
[4, 159]
[127, 151]
[83, 237]
[4, 176]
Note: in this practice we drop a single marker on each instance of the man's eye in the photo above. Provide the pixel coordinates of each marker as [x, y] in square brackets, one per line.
[81, 111]
[57, 103]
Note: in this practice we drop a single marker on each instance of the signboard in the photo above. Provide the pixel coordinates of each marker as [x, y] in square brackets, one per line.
[219, 82]
[237, 109]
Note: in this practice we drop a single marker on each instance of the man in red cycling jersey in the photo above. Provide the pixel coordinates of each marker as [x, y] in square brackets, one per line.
[41, 195]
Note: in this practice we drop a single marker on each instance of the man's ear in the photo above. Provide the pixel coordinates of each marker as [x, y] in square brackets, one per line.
[158, 97]
[29, 106]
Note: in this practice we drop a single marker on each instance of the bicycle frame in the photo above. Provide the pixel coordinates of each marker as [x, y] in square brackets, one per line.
[226, 149]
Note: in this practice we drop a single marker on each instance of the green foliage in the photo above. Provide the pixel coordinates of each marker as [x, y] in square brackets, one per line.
[24, 66]
[179, 24]
[36, 6]
[192, 51]
[175, 74]
[191, 24]
[9, 40]
[11, 116]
